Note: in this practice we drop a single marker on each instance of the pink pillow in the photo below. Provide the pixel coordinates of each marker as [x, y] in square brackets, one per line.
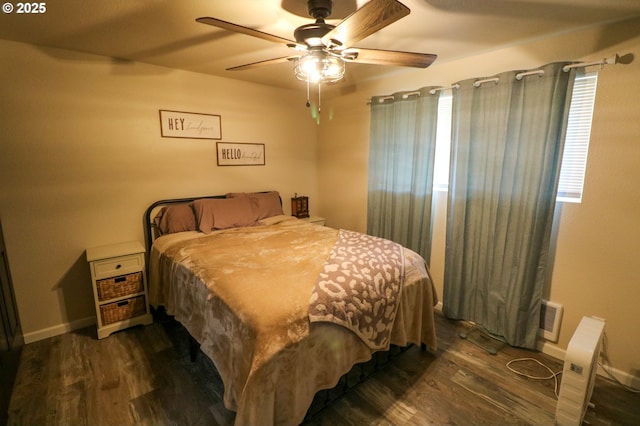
[175, 218]
[223, 213]
[265, 204]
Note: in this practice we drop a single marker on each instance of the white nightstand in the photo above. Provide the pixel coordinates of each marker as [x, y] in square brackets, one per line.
[119, 286]
[317, 220]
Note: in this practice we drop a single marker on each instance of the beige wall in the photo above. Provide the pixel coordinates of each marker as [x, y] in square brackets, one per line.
[81, 158]
[598, 241]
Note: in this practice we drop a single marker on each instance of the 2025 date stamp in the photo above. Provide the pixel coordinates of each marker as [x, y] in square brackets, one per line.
[24, 8]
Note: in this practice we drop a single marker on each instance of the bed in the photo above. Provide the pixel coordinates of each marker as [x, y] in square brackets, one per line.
[256, 290]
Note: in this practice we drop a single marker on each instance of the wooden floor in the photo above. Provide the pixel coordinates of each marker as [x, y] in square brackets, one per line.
[144, 376]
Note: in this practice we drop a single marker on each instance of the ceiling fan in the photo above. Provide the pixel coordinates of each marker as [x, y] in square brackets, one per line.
[322, 49]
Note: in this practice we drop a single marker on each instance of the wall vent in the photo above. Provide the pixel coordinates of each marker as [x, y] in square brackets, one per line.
[550, 319]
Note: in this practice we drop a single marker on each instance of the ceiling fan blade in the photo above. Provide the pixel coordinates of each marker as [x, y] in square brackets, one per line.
[262, 63]
[390, 57]
[243, 30]
[373, 16]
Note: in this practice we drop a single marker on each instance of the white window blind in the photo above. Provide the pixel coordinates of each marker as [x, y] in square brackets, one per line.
[443, 142]
[576, 143]
[574, 160]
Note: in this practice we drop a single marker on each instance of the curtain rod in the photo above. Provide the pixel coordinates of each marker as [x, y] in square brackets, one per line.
[433, 91]
[520, 76]
[612, 60]
[439, 89]
[415, 93]
[479, 83]
[381, 99]
[606, 61]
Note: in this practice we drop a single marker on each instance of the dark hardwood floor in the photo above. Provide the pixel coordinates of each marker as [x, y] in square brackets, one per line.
[144, 376]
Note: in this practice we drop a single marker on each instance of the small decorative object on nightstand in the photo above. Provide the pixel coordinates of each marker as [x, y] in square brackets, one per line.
[119, 286]
[299, 206]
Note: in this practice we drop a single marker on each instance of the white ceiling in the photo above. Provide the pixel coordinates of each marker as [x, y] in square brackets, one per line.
[164, 32]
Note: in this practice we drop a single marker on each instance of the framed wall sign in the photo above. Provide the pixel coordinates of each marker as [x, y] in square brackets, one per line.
[191, 125]
[240, 154]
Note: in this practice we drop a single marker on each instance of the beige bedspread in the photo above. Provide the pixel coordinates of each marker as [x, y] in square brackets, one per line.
[243, 294]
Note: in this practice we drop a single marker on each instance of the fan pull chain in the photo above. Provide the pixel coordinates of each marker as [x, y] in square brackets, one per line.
[319, 96]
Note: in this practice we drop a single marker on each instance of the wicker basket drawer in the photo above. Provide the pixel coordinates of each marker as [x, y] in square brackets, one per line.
[122, 310]
[122, 285]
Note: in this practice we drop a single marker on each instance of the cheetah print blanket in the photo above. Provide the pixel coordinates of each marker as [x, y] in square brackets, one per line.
[359, 287]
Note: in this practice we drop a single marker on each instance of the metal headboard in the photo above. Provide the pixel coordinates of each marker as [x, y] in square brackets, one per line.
[150, 231]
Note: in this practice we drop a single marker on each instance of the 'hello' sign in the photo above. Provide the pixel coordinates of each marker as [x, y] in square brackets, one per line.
[240, 154]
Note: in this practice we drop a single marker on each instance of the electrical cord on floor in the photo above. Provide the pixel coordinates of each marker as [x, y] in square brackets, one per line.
[554, 376]
[551, 375]
[607, 368]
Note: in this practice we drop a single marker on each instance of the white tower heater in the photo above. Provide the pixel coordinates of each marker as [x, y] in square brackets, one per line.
[579, 372]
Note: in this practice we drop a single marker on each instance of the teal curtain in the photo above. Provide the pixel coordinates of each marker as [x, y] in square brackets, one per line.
[506, 151]
[401, 162]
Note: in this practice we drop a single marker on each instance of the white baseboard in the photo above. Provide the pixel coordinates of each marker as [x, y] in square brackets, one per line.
[552, 350]
[622, 376]
[57, 330]
[559, 353]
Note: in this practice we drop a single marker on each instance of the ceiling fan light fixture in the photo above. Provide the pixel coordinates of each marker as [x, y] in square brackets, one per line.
[319, 67]
[327, 47]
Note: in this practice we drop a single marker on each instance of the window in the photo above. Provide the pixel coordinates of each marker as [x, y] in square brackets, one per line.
[576, 146]
[443, 142]
[576, 143]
